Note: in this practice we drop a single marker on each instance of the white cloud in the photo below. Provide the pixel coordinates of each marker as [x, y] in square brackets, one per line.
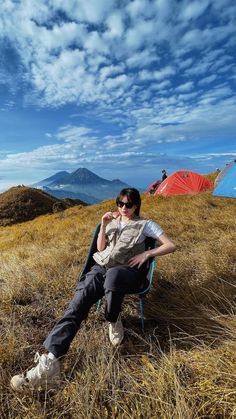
[147, 67]
[140, 34]
[91, 11]
[187, 96]
[111, 70]
[72, 61]
[115, 25]
[72, 133]
[164, 72]
[142, 58]
[178, 121]
[199, 39]
[194, 9]
[137, 8]
[77, 144]
[121, 80]
[227, 69]
[208, 79]
[94, 11]
[222, 154]
[185, 63]
[61, 36]
[94, 43]
[189, 85]
[163, 85]
[146, 75]
[158, 74]
[217, 93]
[93, 62]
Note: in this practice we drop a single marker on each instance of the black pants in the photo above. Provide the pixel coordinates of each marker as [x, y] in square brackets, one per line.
[114, 283]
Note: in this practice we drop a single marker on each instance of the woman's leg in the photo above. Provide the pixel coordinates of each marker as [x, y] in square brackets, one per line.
[119, 281]
[88, 292]
[47, 370]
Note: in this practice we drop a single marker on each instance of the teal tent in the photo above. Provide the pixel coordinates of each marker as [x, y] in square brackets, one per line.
[226, 186]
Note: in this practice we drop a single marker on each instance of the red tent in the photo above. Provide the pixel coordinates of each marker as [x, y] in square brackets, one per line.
[153, 187]
[183, 182]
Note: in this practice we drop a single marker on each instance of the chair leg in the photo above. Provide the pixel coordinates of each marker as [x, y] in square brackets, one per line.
[141, 313]
[98, 304]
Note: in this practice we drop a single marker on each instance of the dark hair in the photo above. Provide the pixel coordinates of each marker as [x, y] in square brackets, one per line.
[133, 196]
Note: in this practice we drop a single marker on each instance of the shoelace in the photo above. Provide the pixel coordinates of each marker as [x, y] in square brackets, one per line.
[42, 360]
[36, 357]
[116, 328]
[36, 372]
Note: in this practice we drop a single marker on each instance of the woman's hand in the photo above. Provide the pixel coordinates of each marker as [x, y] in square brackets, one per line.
[166, 246]
[106, 218]
[139, 259]
[101, 241]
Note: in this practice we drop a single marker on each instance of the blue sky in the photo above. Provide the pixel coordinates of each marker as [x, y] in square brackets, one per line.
[123, 88]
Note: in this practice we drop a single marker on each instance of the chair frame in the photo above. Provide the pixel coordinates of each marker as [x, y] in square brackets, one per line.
[150, 243]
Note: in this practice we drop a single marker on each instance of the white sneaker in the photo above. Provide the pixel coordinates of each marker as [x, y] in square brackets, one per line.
[46, 372]
[116, 332]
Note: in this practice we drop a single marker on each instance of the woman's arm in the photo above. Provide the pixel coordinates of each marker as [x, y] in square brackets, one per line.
[167, 246]
[101, 240]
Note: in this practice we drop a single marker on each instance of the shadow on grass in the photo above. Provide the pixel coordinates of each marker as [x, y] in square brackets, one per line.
[187, 316]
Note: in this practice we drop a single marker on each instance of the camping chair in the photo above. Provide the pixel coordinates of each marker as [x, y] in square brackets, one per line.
[150, 243]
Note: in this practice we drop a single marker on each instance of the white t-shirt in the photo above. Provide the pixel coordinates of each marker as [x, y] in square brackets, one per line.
[151, 229]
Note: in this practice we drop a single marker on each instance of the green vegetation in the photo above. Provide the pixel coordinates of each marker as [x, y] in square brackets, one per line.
[184, 366]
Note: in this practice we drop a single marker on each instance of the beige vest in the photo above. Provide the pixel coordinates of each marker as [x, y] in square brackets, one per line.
[121, 245]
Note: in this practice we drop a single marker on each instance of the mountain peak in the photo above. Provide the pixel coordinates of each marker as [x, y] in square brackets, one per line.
[82, 170]
[84, 176]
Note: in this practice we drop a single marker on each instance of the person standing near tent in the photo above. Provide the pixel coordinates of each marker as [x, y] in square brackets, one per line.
[120, 266]
[164, 175]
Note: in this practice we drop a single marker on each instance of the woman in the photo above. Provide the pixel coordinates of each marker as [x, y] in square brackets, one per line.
[119, 268]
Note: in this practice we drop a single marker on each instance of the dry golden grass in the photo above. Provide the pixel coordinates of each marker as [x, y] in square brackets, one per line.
[183, 366]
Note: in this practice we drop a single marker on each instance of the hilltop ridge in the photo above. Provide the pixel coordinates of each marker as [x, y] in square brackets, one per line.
[21, 203]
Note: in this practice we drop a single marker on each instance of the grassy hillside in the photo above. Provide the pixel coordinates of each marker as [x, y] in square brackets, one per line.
[184, 366]
[21, 203]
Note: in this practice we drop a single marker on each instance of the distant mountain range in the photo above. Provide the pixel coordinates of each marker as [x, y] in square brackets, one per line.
[81, 184]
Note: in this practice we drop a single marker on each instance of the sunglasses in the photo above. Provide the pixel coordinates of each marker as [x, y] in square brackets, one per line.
[128, 205]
